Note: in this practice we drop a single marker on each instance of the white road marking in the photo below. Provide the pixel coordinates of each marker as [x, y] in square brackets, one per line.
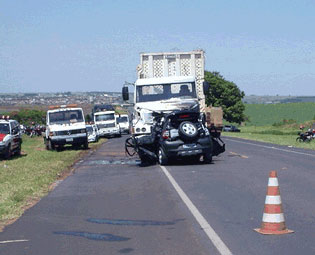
[214, 238]
[13, 241]
[271, 147]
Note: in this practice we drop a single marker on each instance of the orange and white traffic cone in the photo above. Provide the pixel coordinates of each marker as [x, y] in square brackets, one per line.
[273, 222]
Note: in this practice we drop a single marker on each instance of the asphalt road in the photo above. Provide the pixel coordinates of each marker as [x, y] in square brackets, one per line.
[111, 205]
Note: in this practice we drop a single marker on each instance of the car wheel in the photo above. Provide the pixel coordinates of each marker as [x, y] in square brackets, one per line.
[8, 152]
[163, 160]
[207, 158]
[187, 130]
[18, 150]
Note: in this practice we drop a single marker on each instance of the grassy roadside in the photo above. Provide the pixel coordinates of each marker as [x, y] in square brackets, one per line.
[25, 179]
[277, 135]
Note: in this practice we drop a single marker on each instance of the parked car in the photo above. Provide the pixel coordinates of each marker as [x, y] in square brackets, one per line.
[231, 128]
[123, 121]
[92, 133]
[10, 138]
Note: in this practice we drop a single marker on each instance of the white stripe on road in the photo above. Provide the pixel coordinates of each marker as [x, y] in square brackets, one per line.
[273, 200]
[215, 239]
[273, 217]
[13, 241]
[271, 147]
[273, 181]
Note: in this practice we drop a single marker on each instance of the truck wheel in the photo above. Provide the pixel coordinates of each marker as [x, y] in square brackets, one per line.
[50, 145]
[163, 160]
[86, 145]
[8, 152]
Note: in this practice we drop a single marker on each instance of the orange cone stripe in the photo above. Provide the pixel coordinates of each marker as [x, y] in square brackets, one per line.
[272, 226]
[273, 209]
[273, 174]
[273, 191]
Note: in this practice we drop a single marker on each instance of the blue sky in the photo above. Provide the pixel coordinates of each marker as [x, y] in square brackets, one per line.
[265, 47]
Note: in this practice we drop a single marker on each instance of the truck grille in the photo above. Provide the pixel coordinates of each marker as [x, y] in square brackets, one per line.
[70, 132]
[109, 125]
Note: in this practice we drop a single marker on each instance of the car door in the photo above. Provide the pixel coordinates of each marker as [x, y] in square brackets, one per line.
[15, 133]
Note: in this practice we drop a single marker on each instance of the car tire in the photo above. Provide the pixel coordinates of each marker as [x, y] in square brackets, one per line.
[162, 158]
[18, 150]
[187, 130]
[207, 158]
[8, 152]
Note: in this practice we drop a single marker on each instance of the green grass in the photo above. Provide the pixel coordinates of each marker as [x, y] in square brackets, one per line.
[27, 178]
[277, 135]
[268, 114]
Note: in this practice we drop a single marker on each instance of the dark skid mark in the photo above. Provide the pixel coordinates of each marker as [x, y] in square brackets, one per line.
[94, 236]
[127, 250]
[133, 222]
[110, 162]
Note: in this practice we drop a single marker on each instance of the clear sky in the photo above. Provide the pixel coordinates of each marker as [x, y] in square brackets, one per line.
[265, 47]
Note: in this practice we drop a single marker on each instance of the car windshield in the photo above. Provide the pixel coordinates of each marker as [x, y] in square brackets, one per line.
[104, 117]
[4, 128]
[149, 93]
[122, 119]
[71, 116]
[89, 129]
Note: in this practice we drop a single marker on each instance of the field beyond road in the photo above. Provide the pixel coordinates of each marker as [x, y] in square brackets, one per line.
[27, 178]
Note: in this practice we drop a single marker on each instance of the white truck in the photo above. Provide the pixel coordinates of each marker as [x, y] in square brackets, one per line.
[106, 123]
[123, 122]
[65, 124]
[167, 81]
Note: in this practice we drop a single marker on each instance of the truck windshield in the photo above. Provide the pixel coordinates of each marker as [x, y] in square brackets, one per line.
[104, 117]
[62, 117]
[122, 119]
[4, 128]
[150, 93]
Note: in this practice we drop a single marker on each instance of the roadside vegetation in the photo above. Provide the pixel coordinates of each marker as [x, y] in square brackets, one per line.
[27, 178]
[277, 123]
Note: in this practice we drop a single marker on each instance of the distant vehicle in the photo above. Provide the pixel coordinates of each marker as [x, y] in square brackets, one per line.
[10, 138]
[65, 124]
[92, 133]
[123, 121]
[106, 123]
[231, 128]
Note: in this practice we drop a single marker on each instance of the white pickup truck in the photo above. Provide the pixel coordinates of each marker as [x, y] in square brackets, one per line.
[167, 81]
[65, 124]
[106, 123]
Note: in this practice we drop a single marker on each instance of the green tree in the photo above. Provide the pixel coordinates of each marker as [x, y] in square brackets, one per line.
[227, 95]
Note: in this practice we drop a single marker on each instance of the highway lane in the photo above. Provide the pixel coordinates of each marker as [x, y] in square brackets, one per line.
[230, 194]
[111, 205]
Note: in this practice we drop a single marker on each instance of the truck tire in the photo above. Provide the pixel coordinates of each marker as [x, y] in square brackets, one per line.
[187, 130]
[50, 145]
[162, 158]
[86, 145]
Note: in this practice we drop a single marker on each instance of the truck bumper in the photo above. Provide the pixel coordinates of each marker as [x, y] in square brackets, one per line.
[71, 139]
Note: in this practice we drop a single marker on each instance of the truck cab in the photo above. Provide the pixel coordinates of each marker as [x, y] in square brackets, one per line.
[65, 125]
[106, 123]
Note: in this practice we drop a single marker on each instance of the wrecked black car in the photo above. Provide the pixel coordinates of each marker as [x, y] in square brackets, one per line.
[177, 135]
